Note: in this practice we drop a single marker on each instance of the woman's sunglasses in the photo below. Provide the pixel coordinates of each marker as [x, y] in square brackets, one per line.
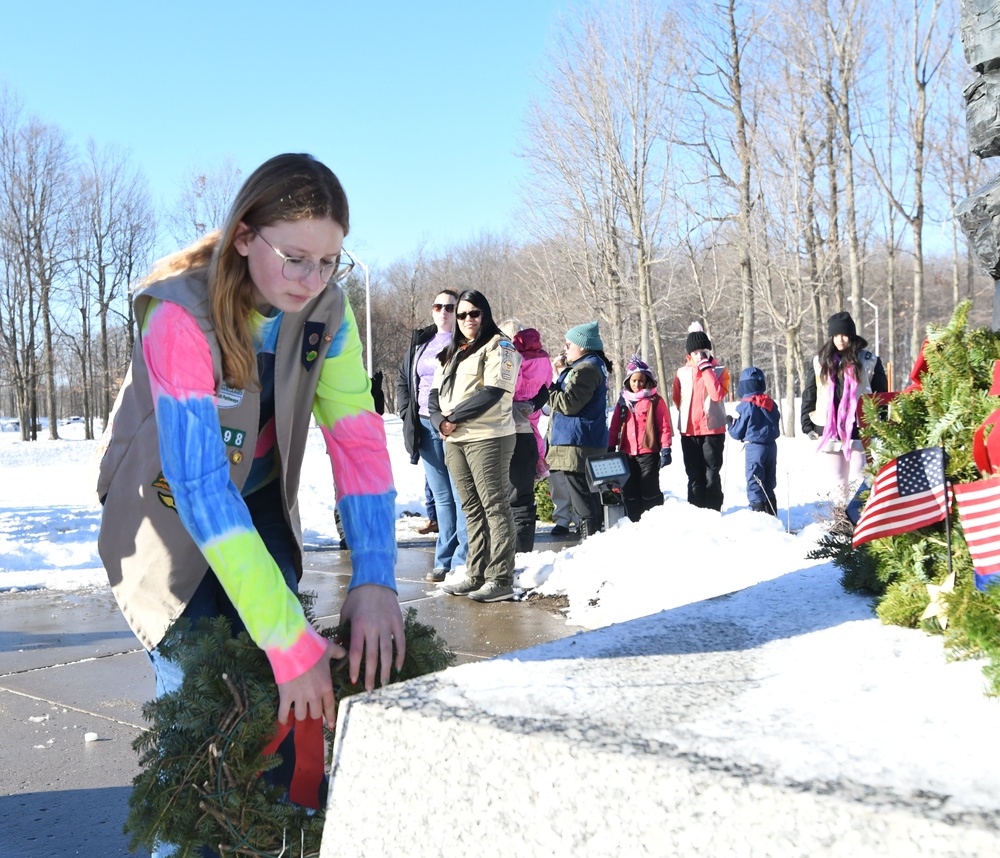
[448, 308]
[472, 314]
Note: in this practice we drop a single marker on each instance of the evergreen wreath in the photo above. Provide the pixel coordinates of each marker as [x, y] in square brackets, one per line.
[202, 757]
[898, 570]
[544, 507]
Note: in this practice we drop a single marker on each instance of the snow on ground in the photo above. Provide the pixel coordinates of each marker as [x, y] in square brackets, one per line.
[49, 518]
[675, 558]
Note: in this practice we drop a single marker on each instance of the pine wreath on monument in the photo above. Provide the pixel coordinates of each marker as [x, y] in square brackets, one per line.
[204, 778]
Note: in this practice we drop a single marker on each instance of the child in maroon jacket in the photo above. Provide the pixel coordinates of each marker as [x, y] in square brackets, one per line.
[640, 428]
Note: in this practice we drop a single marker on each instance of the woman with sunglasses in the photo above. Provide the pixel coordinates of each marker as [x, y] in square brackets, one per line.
[422, 440]
[471, 405]
[244, 337]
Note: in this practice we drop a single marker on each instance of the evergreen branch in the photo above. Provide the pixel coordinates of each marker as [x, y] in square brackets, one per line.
[204, 774]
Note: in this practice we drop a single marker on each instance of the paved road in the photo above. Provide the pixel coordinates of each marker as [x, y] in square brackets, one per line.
[69, 665]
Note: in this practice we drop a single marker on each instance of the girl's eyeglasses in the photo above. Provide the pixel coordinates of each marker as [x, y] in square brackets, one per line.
[471, 314]
[448, 308]
[297, 269]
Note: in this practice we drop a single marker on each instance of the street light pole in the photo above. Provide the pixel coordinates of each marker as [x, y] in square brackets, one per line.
[875, 308]
[368, 313]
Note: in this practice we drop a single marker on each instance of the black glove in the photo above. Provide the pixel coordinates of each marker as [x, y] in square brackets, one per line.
[729, 420]
[664, 457]
[814, 435]
[539, 399]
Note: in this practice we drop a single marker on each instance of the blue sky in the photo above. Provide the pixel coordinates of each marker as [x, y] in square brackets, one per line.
[418, 107]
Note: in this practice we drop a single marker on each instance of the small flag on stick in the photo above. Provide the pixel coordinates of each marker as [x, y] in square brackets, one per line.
[908, 493]
[979, 509]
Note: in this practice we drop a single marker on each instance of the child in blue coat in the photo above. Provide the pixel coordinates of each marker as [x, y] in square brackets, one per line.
[757, 425]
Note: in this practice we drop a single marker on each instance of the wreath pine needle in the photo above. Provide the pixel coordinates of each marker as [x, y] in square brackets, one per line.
[205, 777]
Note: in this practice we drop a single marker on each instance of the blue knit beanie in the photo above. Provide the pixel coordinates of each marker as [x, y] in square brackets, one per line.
[586, 337]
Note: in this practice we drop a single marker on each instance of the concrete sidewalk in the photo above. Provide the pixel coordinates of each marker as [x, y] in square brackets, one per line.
[69, 665]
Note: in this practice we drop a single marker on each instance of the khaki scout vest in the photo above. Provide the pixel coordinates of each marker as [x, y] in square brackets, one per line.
[153, 564]
[494, 365]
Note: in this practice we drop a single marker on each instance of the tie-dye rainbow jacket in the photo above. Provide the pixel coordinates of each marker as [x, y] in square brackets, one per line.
[181, 448]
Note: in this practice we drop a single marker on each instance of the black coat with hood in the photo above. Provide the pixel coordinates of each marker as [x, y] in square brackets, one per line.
[406, 392]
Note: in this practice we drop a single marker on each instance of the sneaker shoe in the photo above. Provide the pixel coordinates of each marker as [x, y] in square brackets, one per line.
[559, 530]
[430, 527]
[493, 591]
[436, 575]
[462, 587]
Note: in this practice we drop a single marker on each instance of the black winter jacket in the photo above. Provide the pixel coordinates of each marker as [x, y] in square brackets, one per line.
[406, 392]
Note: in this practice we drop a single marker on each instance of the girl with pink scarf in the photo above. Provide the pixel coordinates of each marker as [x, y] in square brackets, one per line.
[842, 372]
[640, 428]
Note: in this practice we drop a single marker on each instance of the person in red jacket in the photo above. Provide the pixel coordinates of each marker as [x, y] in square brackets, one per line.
[700, 388]
[640, 428]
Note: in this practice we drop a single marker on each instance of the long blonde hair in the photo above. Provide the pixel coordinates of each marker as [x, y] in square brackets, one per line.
[287, 187]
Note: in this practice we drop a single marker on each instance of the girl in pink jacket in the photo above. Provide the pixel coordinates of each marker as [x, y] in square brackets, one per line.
[535, 374]
[531, 392]
[640, 428]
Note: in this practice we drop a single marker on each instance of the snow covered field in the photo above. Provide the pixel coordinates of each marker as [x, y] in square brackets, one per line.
[49, 517]
[675, 558]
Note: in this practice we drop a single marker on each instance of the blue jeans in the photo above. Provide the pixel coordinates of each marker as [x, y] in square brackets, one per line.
[210, 600]
[453, 540]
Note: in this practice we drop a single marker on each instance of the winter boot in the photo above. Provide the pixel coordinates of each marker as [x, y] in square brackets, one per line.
[524, 527]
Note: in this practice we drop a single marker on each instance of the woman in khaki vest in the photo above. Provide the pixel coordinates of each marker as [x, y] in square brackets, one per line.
[243, 338]
[471, 405]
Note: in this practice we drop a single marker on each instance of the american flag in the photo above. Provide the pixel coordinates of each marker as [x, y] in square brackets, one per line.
[979, 509]
[908, 493]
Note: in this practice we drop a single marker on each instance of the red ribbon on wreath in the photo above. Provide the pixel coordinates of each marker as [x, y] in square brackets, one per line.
[986, 450]
[309, 758]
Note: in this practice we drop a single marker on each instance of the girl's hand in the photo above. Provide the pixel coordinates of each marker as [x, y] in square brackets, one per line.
[311, 693]
[376, 622]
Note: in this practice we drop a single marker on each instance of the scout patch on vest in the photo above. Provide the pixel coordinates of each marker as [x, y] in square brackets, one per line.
[233, 437]
[310, 340]
[163, 492]
[507, 361]
[229, 397]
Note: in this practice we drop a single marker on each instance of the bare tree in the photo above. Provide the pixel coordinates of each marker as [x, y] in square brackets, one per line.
[35, 163]
[635, 53]
[835, 43]
[721, 127]
[577, 200]
[847, 31]
[927, 47]
[118, 227]
[788, 256]
[203, 203]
